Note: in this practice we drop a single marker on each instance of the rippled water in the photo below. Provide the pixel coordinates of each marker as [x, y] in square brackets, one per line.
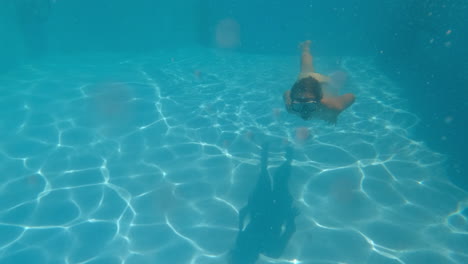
[148, 159]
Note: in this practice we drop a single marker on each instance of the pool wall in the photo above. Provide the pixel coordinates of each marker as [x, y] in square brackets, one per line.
[10, 42]
[427, 57]
[337, 28]
[115, 25]
[30, 31]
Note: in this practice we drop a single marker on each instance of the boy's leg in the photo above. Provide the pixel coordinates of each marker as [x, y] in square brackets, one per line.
[306, 57]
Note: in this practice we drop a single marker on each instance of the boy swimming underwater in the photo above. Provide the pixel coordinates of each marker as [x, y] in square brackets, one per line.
[312, 96]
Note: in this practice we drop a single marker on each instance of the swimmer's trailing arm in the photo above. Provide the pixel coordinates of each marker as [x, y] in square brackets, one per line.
[332, 118]
[290, 224]
[264, 157]
[287, 101]
[242, 214]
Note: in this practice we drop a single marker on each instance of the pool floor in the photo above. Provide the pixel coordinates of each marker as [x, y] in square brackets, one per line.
[148, 159]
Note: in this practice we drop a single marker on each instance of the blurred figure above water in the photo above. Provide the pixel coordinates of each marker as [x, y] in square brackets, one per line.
[269, 214]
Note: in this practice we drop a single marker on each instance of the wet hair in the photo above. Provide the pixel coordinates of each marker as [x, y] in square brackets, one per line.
[307, 86]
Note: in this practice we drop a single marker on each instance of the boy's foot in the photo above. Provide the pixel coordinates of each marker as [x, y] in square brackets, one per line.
[305, 45]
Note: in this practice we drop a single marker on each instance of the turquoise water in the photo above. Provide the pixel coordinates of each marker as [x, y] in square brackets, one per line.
[149, 159]
[155, 132]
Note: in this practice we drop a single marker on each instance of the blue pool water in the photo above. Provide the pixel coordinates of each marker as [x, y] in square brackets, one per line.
[156, 133]
[149, 159]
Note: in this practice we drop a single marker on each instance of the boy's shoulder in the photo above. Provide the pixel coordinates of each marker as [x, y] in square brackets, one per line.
[338, 103]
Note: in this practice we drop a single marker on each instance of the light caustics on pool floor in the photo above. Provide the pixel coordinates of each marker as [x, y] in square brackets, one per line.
[148, 160]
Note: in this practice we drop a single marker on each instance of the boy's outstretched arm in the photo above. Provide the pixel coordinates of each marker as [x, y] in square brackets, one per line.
[339, 103]
[347, 100]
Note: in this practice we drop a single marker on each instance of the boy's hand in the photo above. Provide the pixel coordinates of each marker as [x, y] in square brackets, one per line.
[331, 117]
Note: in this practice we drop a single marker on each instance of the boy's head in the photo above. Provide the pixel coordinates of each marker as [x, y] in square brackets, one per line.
[305, 97]
[307, 88]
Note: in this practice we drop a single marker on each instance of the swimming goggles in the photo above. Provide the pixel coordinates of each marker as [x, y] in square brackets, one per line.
[305, 106]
